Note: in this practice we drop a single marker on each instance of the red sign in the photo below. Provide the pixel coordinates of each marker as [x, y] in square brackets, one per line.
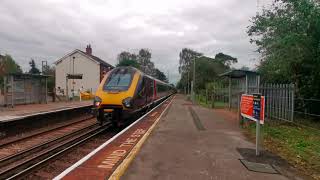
[246, 107]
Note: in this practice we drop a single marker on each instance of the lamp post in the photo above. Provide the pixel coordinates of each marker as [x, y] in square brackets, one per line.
[194, 80]
[43, 63]
[73, 79]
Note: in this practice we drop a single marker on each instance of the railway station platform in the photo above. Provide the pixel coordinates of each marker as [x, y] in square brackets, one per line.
[192, 142]
[18, 112]
[178, 140]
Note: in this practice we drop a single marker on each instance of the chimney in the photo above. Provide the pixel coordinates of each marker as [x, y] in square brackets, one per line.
[89, 50]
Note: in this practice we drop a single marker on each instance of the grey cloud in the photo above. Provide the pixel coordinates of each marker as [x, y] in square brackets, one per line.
[50, 29]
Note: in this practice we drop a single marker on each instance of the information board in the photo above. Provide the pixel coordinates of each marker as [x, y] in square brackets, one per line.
[248, 108]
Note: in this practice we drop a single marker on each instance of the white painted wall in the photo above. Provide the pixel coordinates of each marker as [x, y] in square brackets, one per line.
[82, 65]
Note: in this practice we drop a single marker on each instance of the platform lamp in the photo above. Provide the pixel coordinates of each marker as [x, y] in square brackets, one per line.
[43, 64]
[73, 78]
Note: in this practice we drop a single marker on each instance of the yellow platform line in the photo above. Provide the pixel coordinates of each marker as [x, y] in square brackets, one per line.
[126, 162]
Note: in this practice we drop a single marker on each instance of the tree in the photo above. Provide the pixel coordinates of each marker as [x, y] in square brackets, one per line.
[126, 56]
[186, 56]
[225, 59]
[207, 70]
[141, 61]
[144, 59]
[49, 71]
[128, 62]
[33, 69]
[245, 68]
[8, 65]
[127, 59]
[288, 38]
[160, 75]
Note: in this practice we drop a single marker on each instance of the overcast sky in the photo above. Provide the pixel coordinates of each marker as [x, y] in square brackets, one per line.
[49, 29]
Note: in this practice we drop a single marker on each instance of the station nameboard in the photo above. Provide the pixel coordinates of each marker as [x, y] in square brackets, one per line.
[74, 76]
[247, 107]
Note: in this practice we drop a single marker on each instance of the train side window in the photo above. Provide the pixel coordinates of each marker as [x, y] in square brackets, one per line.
[142, 87]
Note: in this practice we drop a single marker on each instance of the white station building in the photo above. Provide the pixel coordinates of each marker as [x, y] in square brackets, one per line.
[79, 70]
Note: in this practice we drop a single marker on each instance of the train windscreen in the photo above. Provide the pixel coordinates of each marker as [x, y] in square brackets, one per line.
[119, 80]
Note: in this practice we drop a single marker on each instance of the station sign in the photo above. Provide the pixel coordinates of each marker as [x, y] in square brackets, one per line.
[253, 107]
[74, 76]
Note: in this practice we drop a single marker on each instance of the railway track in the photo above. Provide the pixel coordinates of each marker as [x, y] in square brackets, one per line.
[10, 141]
[19, 164]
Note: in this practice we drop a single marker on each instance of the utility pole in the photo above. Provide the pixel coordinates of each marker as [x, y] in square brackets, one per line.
[188, 83]
[73, 79]
[42, 67]
[194, 80]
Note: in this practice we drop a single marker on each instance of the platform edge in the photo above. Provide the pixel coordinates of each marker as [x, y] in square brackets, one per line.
[127, 161]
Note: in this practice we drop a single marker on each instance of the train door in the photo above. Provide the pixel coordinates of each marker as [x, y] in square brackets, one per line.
[154, 90]
[141, 98]
[149, 87]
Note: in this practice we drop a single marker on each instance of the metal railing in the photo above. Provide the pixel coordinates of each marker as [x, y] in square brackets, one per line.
[281, 102]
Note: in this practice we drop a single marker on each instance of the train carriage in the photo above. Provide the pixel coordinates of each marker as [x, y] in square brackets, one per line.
[126, 92]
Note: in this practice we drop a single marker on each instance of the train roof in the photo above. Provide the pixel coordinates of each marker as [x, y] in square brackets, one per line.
[130, 67]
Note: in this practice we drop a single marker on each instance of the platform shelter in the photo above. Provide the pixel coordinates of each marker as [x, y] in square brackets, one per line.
[25, 89]
[241, 82]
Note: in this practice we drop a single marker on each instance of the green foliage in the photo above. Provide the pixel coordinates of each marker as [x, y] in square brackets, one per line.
[141, 61]
[160, 75]
[8, 65]
[50, 71]
[128, 62]
[299, 145]
[225, 59]
[288, 37]
[186, 57]
[144, 60]
[207, 69]
[33, 68]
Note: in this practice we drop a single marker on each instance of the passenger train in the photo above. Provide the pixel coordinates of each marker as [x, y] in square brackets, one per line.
[127, 92]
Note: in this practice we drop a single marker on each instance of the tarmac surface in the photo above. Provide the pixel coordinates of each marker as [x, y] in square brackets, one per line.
[191, 142]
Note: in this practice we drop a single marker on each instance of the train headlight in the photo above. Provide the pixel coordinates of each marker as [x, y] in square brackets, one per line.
[127, 102]
[97, 101]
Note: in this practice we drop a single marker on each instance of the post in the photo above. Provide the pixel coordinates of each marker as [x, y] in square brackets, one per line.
[229, 92]
[246, 84]
[256, 115]
[25, 90]
[212, 100]
[292, 96]
[188, 84]
[258, 83]
[5, 90]
[194, 78]
[239, 109]
[80, 95]
[46, 94]
[206, 96]
[67, 91]
[192, 92]
[73, 78]
[258, 138]
[12, 92]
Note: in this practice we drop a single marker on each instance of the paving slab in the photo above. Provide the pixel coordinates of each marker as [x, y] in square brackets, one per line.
[191, 142]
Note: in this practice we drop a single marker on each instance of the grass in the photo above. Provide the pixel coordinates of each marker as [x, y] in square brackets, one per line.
[201, 100]
[299, 145]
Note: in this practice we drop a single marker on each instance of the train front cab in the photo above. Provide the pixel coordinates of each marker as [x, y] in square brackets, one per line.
[124, 93]
[115, 94]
